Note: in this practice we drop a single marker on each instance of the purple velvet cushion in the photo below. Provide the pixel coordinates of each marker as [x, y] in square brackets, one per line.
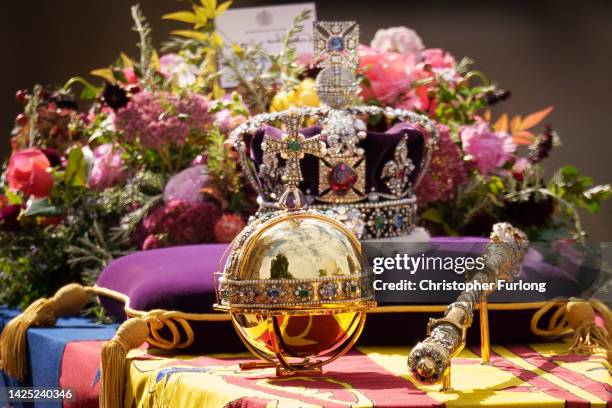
[177, 278]
[181, 278]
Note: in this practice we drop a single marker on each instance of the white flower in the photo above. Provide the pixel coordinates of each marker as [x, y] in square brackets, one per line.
[178, 70]
[398, 39]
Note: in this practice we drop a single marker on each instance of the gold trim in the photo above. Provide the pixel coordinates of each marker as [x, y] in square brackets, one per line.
[442, 308]
[130, 312]
[98, 290]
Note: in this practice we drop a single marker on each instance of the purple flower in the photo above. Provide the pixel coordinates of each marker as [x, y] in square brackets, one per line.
[160, 119]
[445, 173]
[487, 149]
[187, 185]
[108, 168]
[115, 96]
[223, 119]
[9, 218]
[195, 110]
[53, 156]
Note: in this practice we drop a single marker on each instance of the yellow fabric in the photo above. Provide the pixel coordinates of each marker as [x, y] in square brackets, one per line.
[532, 375]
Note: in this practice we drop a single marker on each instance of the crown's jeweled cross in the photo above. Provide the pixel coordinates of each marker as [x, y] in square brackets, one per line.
[292, 147]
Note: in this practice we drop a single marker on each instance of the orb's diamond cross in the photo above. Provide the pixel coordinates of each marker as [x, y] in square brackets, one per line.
[292, 147]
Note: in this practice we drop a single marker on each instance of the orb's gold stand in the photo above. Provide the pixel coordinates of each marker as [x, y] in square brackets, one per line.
[284, 367]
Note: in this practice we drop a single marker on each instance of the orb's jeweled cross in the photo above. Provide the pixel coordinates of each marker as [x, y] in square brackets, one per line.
[292, 147]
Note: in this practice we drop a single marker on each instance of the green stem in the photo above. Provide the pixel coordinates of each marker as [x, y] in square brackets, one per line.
[78, 80]
[180, 157]
[479, 75]
[32, 112]
[245, 82]
[166, 160]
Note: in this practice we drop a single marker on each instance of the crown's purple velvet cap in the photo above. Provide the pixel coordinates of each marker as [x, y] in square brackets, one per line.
[379, 149]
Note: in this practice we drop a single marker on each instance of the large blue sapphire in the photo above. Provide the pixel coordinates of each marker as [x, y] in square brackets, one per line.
[336, 44]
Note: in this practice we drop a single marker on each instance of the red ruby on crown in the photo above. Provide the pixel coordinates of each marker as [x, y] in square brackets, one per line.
[341, 178]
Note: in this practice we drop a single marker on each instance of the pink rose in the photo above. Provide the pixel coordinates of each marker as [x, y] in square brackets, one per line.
[388, 74]
[108, 168]
[438, 58]
[130, 76]
[398, 39]
[420, 99]
[487, 149]
[187, 185]
[28, 172]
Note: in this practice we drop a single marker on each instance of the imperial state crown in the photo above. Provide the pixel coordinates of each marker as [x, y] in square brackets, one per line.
[374, 157]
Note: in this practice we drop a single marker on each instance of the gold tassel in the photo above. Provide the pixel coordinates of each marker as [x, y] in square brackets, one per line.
[69, 300]
[588, 336]
[130, 335]
[578, 316]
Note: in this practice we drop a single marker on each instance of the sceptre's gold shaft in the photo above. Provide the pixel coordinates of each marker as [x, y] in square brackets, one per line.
[430, 360]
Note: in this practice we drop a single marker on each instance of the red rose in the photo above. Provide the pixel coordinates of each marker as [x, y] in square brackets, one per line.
[27, 172]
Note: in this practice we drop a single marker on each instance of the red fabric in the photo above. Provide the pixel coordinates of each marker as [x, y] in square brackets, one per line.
[601, 390]
[80, 371]
[542, 384]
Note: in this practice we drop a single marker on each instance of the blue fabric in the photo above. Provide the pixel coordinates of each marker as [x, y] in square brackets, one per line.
[46, 348]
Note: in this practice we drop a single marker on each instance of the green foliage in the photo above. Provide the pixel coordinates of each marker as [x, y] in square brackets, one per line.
[89, 91]
[93, 251]
[284, 66]
[569, 185]
[145, 44]
[234, 104]
[202, 44]
[457, 104]
[76, 169]
[36, 261]
[31, 110]
[40, 207]
[222, 164]
[279, 268]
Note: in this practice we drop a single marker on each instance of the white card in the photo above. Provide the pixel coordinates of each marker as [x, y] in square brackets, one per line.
[264, 25]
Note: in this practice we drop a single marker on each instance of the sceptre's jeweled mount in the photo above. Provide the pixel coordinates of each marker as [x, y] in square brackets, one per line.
[373, 159]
